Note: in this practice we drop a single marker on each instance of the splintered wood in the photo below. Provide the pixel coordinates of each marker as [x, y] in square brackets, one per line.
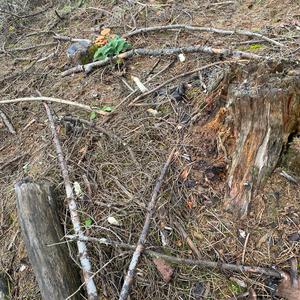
[264, 103]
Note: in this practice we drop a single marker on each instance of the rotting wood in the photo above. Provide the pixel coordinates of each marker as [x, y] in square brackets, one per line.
[264, 104]
[56, 273]
[82, 249]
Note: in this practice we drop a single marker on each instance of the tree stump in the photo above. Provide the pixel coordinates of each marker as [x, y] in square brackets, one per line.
[263, 102]
[56, 274]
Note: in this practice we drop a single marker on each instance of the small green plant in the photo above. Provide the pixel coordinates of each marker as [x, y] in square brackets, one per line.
[114, 47]
[256, 46]
[88, 223]
[93, 115]
[235, 288]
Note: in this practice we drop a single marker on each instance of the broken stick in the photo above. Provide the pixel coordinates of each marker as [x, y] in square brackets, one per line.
[203, 29]
[166, 52]
[185, 261]
[82, 249]
[141, 242]
[56, 100]
[7, 123]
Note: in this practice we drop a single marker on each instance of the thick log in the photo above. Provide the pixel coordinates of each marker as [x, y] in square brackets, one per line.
[264, 103]
[4, 292]
[56, 273]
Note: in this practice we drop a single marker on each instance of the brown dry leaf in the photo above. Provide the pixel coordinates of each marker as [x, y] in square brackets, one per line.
[105, 31]
[191, 202]
[287, 290]
[83, 149]
[184, 174]
[165, 270]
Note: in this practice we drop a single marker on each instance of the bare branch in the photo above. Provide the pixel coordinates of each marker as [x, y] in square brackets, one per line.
[204, 29]
[82, 249]
[184, 261]
[7, 123]
[56, 100]
[141, 242]
[165, 52]
[177, 77]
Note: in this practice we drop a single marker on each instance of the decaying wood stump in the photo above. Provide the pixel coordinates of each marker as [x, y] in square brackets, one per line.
[56, 274]
[263, 102]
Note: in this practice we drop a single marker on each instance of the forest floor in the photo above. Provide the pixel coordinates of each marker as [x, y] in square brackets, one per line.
[114, 184]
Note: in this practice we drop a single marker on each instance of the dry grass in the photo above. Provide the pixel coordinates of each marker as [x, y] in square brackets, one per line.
[116, 186]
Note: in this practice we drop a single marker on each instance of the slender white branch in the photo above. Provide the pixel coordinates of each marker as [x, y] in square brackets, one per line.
[56, 100]
[204, 29]
[82, 249]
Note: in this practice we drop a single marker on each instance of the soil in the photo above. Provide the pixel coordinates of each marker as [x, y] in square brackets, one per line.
[113, 184]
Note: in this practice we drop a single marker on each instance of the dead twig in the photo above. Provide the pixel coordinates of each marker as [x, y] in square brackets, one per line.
[105, 131]
[204, 29]
[184, 261]
[142, 239]
[165, 52]
[7, 122]
[82, 249]
[56, 100]
[69, 39]
[28, 48]
[6, 12]
[187, 238]
[177, 77]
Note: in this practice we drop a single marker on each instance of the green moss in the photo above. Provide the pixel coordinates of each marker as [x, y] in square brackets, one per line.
[252, 48]
[235, 288]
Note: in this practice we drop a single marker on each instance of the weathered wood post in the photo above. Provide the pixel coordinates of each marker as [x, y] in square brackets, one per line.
[56, 273]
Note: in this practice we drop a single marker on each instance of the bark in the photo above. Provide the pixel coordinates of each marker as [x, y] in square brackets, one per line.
[264, 102]
[56, 274]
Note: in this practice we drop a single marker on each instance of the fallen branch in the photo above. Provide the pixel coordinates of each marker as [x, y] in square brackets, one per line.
[177, 77]
[68, 38]
[165, 52]
[82, 249]
[185, 261]
[28, 48]
[105, 131]
[203, 29]
[6, 122]
[6, 12]
[142, 239]
[56, 100]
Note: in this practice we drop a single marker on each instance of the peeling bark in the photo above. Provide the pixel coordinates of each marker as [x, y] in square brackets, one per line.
[264, 103]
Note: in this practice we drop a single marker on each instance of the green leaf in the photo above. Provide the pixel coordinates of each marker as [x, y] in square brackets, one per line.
[93, 115]
[88, 223]
[106, 108]
[114, 47]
